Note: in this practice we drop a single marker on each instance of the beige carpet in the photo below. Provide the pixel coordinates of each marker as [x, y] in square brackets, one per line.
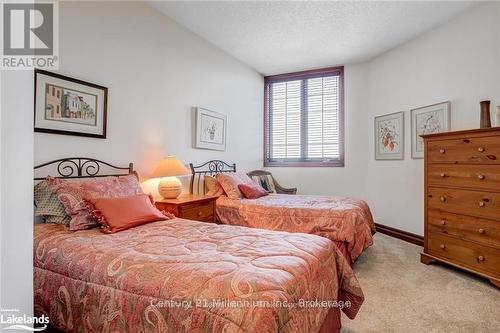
[403, 295]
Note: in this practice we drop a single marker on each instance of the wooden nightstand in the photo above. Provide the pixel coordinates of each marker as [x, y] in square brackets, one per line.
[191, 207]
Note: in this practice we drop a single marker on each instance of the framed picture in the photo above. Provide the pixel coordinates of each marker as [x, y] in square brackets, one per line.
[210, 130]
[389, 136]
[426, 120]
[64, 105]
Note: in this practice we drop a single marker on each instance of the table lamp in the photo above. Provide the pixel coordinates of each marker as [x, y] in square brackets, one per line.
[168, 169]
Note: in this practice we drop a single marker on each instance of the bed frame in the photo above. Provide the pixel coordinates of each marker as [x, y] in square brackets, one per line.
[210, 168]
[214, 167]
[81, 167]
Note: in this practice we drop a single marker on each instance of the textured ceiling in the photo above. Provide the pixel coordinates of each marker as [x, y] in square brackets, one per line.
[279, 37]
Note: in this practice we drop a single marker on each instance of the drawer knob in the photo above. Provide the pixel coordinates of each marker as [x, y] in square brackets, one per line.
[443, 199]
[442, 151]
[480, 258]
[200, 213]
[482, 203]
[442, 246]
[480, 177]
[480, 149]
[482, 231]
[442, 175]
[443, 222]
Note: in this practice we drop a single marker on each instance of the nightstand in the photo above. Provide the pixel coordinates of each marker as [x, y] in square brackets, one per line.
[191, 207]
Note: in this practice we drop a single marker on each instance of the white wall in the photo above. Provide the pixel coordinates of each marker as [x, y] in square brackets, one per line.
[460, 62]
[351, 179]
[1, 186]
[16, 237]
[156, 71]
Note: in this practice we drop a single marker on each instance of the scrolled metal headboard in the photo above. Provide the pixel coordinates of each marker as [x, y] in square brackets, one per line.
[210, 168]
[83, 167]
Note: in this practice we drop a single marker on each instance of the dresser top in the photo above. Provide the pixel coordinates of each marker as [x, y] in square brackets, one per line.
[492, 130]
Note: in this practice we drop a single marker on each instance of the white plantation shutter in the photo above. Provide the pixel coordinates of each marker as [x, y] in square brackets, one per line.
[304, 118]
[286, 119]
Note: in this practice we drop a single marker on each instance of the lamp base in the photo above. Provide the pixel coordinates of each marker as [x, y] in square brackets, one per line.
[170, 187]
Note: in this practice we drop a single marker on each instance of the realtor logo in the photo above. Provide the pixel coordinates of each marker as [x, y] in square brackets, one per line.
[29, 35]
[28, 29]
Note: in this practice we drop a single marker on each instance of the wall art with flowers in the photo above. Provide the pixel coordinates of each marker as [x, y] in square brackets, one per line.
[210, 130]
[427, 120]
[389, 136]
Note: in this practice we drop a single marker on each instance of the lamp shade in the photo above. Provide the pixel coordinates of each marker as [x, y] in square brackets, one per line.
[170, 167]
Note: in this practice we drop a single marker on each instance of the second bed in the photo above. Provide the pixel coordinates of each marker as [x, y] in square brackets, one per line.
[346, 221]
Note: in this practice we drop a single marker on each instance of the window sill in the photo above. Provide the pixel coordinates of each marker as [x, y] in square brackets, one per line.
[339, 164]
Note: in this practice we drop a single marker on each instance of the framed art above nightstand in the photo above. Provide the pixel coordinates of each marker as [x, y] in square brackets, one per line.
[210, 130]
[190, 207]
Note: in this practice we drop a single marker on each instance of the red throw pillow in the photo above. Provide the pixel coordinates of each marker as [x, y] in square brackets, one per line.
[252, 191]
[117, 214]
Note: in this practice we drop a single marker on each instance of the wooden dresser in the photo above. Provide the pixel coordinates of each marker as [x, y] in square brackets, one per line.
[462, 201]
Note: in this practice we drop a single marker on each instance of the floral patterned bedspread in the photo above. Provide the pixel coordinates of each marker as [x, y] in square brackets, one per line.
[180, 276]
[337, 218]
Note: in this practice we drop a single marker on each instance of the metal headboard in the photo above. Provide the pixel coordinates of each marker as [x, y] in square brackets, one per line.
[82, 167]
[210, 168]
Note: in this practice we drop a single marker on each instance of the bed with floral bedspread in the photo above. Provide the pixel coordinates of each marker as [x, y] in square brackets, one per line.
[180, 276]
[346, 221]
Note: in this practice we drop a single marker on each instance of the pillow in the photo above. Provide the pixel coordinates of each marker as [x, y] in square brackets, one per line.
[72, 193]
[266, 181]
[48, 205]
[213, 186]
[117, 214]
[230, 182]
[252, 191]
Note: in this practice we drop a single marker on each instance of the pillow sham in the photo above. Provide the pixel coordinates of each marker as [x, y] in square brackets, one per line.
[213, 186]
[117, 214]
[252, 191]
[71, 193]
[230, 182]
[48, 206]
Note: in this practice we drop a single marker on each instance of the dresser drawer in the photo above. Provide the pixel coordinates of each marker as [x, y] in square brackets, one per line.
[484, 231]
[474, 256]
[202, 212]
[473, 203]
[483, 150]
[482, 177]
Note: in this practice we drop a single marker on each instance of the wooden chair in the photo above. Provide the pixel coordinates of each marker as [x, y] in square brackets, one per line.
[279, 189]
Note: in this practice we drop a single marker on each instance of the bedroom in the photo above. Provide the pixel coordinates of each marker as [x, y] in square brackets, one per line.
[161, 60]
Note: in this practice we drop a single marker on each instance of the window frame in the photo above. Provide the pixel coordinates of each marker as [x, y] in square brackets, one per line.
[309, 74]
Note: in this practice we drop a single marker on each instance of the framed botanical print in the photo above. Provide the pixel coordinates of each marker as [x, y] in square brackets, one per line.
[210, 130]
[427, 120]
[64, 105]
[389, 136]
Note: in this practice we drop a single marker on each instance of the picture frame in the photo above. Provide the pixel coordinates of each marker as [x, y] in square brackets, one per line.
[68, 106]
[210, 130]
[389, 136]
[429, 119]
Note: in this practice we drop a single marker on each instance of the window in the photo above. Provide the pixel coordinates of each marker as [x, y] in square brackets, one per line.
[304, 122]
